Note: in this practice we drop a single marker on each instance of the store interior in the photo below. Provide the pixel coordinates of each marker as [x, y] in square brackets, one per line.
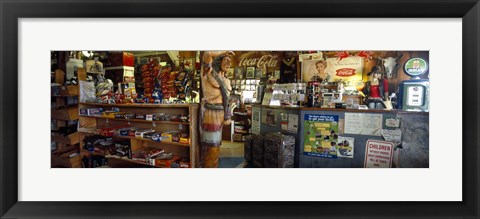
[289, 109]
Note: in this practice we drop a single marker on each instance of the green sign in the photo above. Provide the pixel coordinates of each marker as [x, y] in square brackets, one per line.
[416, 66]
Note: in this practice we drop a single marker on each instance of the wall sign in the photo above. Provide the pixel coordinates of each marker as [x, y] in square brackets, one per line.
[415, 67]
[256, 120]
[269, 117]
[378, 154]
[292, 123]
[345, 146]
[363, 123]
[394, 135]
[320, 135]
[264, 61]
[391, 122]
[310, 56]
[347, 69]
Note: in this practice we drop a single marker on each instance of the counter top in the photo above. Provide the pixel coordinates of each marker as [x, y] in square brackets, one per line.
[397, 111]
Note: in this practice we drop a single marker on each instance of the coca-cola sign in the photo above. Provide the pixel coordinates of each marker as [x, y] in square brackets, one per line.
[345, 72]
[268, 61]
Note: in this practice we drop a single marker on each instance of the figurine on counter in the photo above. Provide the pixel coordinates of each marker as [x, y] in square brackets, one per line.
[215, 111]
[376, 89]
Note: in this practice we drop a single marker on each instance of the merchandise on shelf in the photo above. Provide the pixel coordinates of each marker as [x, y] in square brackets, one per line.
[164, 160]
[123, 149]
[180, 118]
[127, 131]
[110, 113]
[175, 136]
[164, 80]
[91, 111]
[66, 130]
[146, 154]
[108, 131]
[160, 117]
[99, 144]
[289, 94]
[157, 136]
[150, 73]
[141, 132]
[104, 91]
[94, 161]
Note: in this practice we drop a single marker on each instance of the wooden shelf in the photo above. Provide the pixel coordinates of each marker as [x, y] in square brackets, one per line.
[128, 160]
[137, 105]
[92, 152]
[64, 95]
[70, 139]
[89, 123]
[144, 139]
[68, 90]
[137, 120]
[70, 113]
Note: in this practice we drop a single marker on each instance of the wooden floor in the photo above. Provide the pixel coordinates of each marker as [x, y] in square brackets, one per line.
[231, 149]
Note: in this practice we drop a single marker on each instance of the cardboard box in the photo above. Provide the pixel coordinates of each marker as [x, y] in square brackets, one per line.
[109, 114]
[164, 163]
[184, 141]
[141, 132]
[167, 137]
[157, 136]
[118, 74]
[120, 59]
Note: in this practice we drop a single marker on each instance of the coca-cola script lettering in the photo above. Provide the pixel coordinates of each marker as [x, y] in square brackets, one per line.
[262, 62]
[345, 72]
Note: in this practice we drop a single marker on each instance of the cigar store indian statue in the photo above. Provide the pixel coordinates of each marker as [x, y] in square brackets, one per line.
[215, 110]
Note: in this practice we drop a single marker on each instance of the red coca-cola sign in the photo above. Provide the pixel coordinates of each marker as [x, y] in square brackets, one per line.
[345, 72]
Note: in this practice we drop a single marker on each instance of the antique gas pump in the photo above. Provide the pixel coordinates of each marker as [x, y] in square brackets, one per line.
[414, 93]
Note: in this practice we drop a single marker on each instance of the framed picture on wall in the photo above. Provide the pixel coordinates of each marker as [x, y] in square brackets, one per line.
[277, 74]
[230, 73]
[258, 73]
[250, 72]
[239, 72]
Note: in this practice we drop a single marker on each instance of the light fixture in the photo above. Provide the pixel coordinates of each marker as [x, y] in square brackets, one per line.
[87, 53]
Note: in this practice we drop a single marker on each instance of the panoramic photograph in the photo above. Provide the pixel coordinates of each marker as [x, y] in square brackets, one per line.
[240, 109]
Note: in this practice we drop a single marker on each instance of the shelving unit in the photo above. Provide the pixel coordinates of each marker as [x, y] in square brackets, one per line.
[62, 113]
[240, 126]
[89, 123]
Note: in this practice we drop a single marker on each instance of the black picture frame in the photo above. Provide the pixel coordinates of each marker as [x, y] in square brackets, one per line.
[11, 11]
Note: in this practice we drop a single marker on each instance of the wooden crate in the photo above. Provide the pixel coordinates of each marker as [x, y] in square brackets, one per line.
[69, 139]
[61, 158]
[70, 113]
[69, 90]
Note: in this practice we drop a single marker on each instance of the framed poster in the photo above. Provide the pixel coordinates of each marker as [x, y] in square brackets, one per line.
[239, 71]
[320, 135]
[258, 73]
[13, 133]
[250, 72]
[230, 73]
